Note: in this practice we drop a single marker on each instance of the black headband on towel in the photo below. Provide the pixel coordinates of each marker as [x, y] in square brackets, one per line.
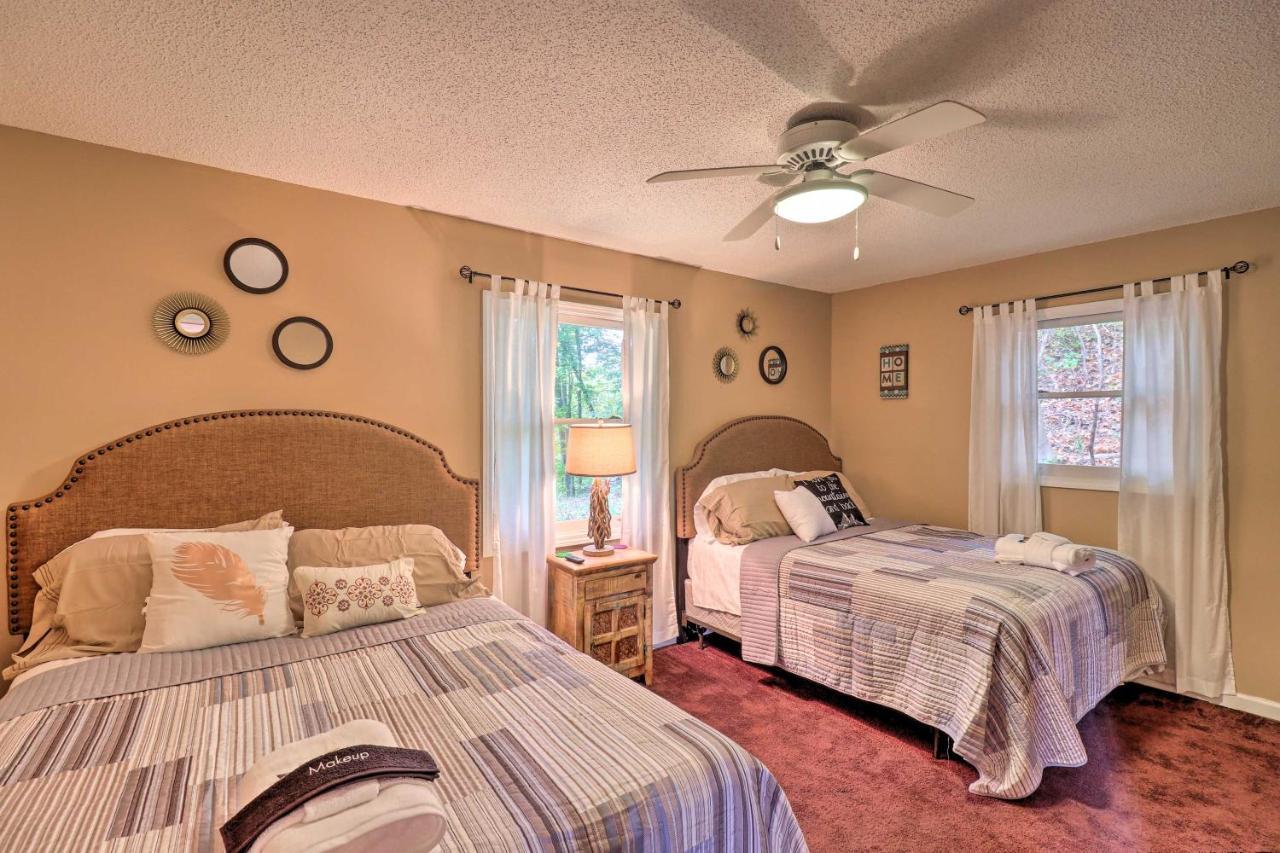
[320, 774]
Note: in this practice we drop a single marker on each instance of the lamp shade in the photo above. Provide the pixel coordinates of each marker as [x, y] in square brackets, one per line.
[600, 450]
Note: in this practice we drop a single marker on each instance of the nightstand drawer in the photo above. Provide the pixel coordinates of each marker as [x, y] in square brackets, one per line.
[616, 584]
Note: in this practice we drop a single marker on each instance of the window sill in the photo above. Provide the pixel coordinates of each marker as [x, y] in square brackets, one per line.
[573, 534]
[1083, 477]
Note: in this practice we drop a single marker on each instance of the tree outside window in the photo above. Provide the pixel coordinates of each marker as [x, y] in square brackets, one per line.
[588, 388]
[1081, 377]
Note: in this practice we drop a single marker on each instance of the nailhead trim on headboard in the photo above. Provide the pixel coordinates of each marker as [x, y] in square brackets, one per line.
[684, 500]
[84, 463]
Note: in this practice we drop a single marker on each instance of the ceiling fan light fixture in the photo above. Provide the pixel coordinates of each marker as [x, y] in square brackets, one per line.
[820, 200]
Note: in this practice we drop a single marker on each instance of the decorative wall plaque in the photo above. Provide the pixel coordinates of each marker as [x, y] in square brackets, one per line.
[893, 371]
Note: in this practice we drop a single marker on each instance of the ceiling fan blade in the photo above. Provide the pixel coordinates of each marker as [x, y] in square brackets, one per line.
[778, 178]
[723, 172]
[752, 222]
[933, 200]
[943, 117]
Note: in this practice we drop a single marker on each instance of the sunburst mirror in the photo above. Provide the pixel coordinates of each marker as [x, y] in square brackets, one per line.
[190, 323]
[725, 364]
[747, 323]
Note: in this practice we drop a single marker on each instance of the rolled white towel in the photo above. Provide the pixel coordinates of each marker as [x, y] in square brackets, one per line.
[1046, 550]
[1039, 552]
[274, 766]
[379, 814]
[1073, 559]
[1010, 548]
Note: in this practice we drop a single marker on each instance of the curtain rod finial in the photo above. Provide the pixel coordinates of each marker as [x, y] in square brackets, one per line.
[467, 272]
[965, 309]
[675, 303]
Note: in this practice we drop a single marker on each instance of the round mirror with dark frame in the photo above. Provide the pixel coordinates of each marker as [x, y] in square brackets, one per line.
[255, 265]
[773, 365]
[302, 343]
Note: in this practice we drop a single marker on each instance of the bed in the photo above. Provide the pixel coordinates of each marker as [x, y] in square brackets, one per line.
[539, 746]
[1001, 660]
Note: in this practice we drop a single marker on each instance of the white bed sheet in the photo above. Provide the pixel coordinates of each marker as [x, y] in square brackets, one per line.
[715, 571]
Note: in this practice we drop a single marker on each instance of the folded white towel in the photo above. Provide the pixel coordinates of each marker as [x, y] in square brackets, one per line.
[1049, 537]
[392, 815]
[1046, 550]
[1009, 548]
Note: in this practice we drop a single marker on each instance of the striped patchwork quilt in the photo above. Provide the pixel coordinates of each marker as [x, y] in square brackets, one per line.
[540, 747]
[1003, 658]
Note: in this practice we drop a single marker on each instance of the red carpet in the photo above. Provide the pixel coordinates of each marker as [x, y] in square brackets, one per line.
[1164, 773]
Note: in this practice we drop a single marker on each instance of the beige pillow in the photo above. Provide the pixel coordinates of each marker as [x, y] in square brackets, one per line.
[339, 597]
[848, 487]
[745, 511]
[437, 563]
[100, 586]
[211, 589]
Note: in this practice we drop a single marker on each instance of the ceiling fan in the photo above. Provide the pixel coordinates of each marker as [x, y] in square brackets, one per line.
[814, 151]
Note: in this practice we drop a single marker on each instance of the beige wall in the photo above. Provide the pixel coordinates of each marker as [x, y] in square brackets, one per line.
[92, 237]
[910, 457]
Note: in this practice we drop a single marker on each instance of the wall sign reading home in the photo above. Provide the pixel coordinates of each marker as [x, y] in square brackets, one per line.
[893, 371]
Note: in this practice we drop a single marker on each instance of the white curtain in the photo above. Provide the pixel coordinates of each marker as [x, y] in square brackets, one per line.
[1004, 482]
[646, 495]
[1171, 506]
[520, 331]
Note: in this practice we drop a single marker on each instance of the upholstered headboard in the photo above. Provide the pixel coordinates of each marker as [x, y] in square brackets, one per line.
[755, 443]
[323, 469]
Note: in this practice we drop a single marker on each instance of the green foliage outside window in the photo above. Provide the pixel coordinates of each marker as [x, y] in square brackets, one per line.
[1081, 430]
[588, 385]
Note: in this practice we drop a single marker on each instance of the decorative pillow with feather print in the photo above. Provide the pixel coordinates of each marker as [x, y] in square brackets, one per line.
[211, 589]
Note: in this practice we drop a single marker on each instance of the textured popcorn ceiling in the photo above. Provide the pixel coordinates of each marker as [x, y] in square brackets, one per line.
[1106, 117]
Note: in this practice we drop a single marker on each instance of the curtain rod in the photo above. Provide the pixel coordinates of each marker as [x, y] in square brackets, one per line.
[470, 275]
[1239, 268]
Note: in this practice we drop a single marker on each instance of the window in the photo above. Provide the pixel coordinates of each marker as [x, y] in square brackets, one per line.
[1080, 371]
[588, 388]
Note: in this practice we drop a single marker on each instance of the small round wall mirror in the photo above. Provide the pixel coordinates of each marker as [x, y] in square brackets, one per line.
[747, 323]
[302, 343]
[725, 364]
[255, 266]
[773, 365]
[190, 323]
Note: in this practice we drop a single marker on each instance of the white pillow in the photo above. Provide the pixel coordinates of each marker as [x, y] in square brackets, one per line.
[805, 513]
[335, 598]
[702, 524]
[210, 589]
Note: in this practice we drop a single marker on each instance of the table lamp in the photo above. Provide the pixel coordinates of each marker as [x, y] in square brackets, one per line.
[602, 451]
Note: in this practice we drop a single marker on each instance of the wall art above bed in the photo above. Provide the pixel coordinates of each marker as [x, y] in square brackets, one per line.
[303, 343]
[893, 371]
[773, 365]
[725, 364]
[255, 265]
[190, 323]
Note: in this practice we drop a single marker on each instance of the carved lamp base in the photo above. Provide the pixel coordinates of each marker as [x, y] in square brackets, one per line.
[600, 523]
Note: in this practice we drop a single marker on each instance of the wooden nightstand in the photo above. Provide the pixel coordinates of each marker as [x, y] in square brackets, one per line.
[601, 607]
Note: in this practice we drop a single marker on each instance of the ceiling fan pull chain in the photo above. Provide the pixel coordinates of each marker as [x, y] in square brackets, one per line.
[857, 251]
[777, 237]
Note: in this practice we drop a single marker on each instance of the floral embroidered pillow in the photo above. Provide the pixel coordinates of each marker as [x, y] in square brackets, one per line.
[335, 598]
[211, 589]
